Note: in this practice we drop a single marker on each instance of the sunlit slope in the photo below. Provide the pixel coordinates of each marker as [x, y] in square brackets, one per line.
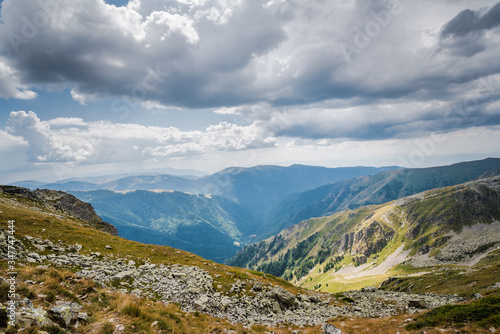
[456, 225]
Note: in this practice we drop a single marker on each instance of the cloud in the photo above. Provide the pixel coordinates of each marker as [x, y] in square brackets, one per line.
[468, 21]
[320, 69]
[44, 144]
[76, 141]
[470, 105]
[10, 83]
[223, 136]
[10, 142]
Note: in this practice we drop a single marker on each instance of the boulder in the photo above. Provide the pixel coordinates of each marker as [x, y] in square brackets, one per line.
[285, 297]
[331, 329]
[178, 275]
[476, 296]
[415, 303]
[33, 317]
[123, 275]
[65, 313]
[257, 286]
[201, 303]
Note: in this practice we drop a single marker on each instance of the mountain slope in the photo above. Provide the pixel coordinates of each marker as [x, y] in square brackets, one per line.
[368, 190]
[210, 226]
[452, 225]
[61, 203]
[73, 278]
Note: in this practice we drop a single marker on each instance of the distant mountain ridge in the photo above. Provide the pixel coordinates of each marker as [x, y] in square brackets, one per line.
[259, 186]
[368, 190]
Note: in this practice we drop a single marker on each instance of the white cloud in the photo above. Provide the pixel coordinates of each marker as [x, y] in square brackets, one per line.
[174, 23]
[10, 142]
[44, 144]
[74, 140]
[10, 83]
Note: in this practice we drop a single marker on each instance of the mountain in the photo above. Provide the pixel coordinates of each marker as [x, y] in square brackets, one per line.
[74, 278]
[423, 233]
[60, 202]
[250, 204]
[210, 226]
[255, 186]
[368, 190]
[262, 186]
[213, 226]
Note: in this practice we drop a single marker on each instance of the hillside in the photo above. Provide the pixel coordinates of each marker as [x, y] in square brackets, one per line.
[369, 190]
[421, 234]
[210, 226]
[71, 277]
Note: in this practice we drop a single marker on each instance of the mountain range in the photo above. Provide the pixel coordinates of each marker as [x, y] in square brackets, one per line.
[209, 215]
[215, 215]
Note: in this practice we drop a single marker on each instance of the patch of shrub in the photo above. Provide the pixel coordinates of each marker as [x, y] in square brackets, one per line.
[484, 312]
[132, 310]
[107, 328]
[163, 325]
[51, 297]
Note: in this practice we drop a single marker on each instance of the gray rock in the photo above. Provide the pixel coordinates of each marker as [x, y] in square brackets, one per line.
[178, 275]
[476, 296]
[417, 304]
[35, 256]
[65, 313]
[285, 297]
[257, 286]
[33, 316]
[123, 275]
[331, 329]
[200, 303]
[83, 317]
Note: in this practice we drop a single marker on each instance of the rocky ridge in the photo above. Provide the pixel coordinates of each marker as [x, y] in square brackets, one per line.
[60, 203]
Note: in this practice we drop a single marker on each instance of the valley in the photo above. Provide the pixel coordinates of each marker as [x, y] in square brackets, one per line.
[407, 240]
[215, 215]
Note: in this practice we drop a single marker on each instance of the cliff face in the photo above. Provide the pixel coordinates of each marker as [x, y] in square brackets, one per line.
[62, 202]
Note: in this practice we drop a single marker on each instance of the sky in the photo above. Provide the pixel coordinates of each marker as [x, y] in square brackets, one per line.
[91, 87]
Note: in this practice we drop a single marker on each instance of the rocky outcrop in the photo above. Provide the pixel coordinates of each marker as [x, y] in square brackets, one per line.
[371, 240]
[62, 202]
[67, 314]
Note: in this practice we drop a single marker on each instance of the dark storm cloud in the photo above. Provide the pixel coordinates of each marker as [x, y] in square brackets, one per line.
[468, 21]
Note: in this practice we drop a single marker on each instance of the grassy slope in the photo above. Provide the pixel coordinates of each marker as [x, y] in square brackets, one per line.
[416, 221]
